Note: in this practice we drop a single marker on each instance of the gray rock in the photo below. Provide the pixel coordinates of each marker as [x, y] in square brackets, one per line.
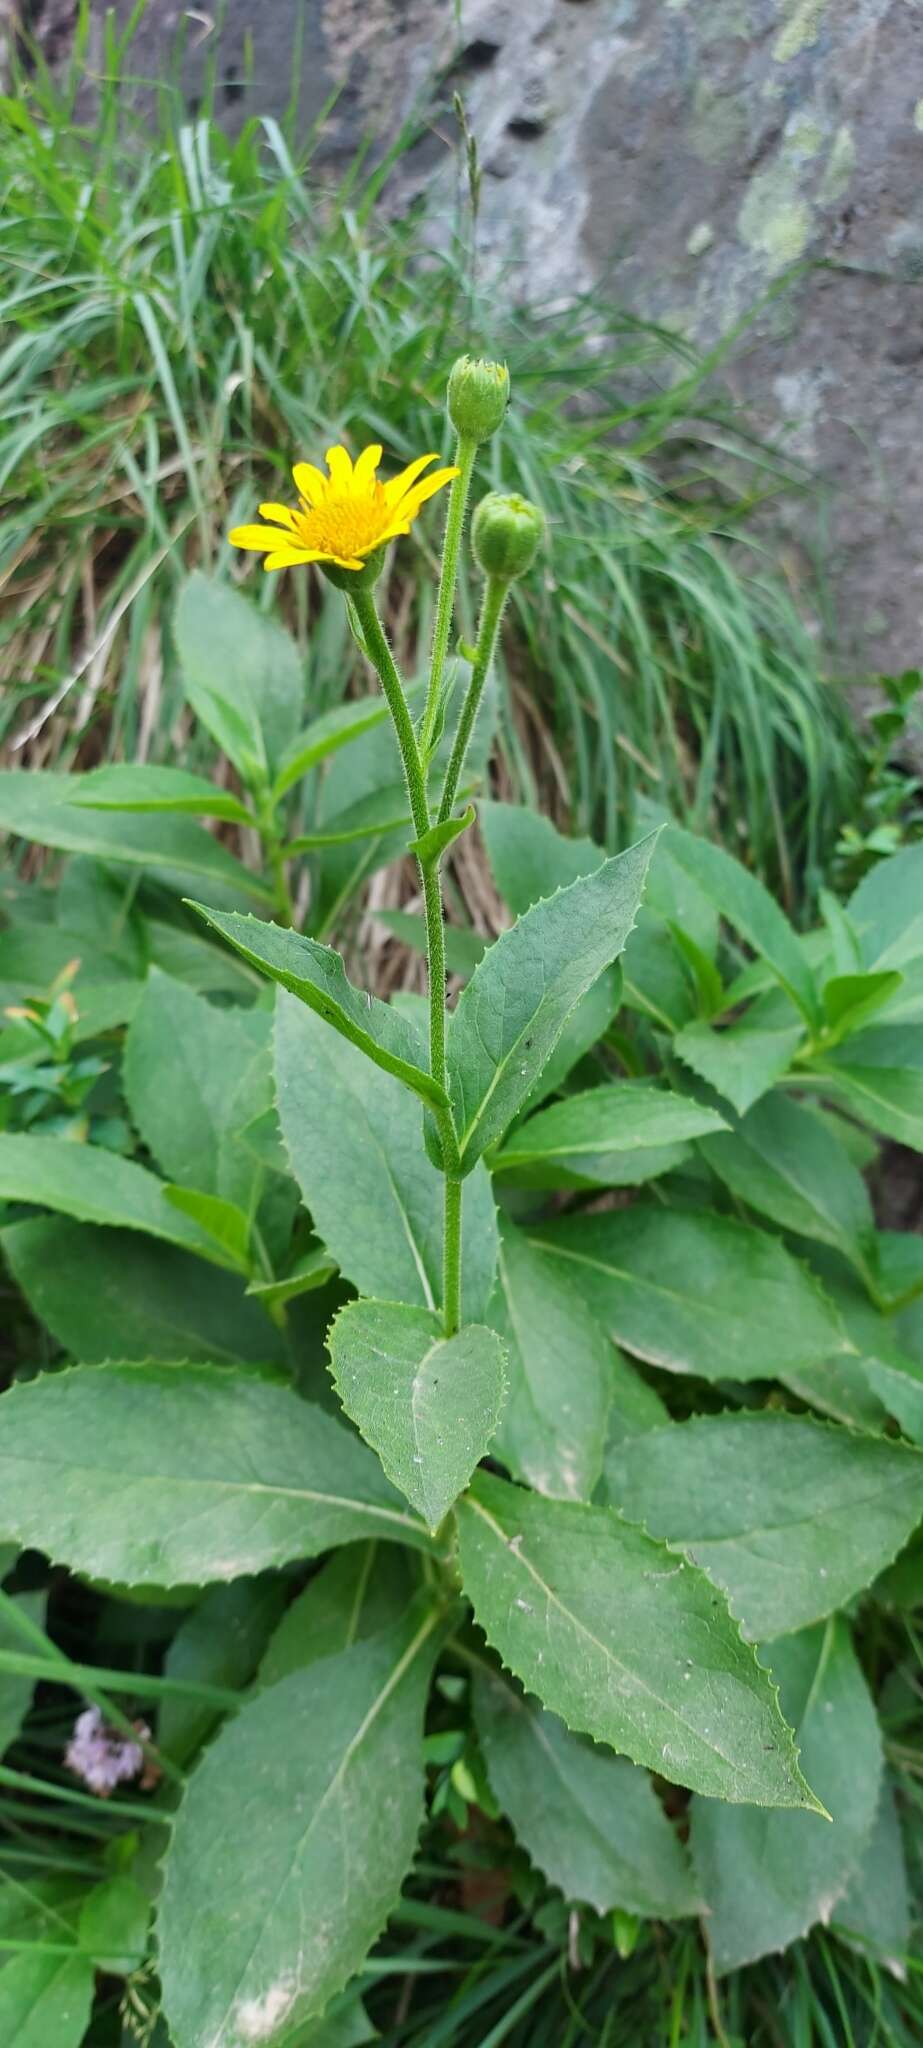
[686, 155]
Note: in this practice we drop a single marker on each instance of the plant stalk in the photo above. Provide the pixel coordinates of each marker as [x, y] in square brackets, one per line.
[495, 595]
[465, 452]
[383, 659]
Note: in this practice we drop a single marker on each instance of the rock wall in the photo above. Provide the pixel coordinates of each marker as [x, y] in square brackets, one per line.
[686, 155]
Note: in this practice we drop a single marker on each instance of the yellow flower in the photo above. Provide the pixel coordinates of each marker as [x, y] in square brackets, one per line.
[343, 517]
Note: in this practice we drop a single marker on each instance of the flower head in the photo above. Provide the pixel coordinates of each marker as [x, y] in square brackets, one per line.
[506, 534]
[344, 517]
[478, 395]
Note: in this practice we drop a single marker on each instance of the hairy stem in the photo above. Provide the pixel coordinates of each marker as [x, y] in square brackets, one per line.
[383, 659]
[495, 594]
[465, 452]
[451, 1256]
[415, 777]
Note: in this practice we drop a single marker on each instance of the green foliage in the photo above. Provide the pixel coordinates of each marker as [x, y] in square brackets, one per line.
[256, 1214]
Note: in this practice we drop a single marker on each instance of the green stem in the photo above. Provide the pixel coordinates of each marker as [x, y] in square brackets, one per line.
[451, 1256]
[415, 777]
[465, 452]
[380, 653]
[495, 595]
[275, 854]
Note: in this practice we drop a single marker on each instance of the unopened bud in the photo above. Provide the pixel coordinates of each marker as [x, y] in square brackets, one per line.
[506, 534]
[478, 396]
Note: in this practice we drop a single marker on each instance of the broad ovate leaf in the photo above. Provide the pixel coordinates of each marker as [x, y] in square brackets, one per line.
[316, 975]
[428, 1404]
[120, 786]
[626, 1642]
[742, 1061]
[511, 1013]
[354, 1136]
[611, 1136]
[242, 673]
[288, 1852]
[746, 904]
[114, 1294]
[696, 1293]
[46, 1997]
[360, 1590]
[782, 1160]
[95, 1186]
[766, 1878]
[41, 805]
[591, 1821]
[790, 1517]
[560, 1370]
[160, 1475]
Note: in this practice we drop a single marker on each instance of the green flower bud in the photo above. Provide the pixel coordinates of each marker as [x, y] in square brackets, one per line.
[506, 534]
[478, 396]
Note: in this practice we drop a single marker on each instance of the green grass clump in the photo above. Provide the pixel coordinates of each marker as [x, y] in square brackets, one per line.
[184, 315]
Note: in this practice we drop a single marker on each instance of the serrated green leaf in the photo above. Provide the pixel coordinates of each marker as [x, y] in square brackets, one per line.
[187, 1106]
[287, 1908]
[121, 787]
[625, 1642]
[783, 1161]
[850, 999]
[94, 1186]
[510, 1015]
[356, 1146]
[611, 1136]
[308, 1273]
[742, 899]
[588, 1022]
[887, 910]
[15, 1691]
[560, 1371]
[107, 1294]
[219, 1642]
[767, 1877]
[113, 1925]
[741, 1062]
[879, 1077]
[242, 673]
[529, 858]
[693, 1292]
[875, 1909]
[358, 1592]
[222, 1222]
[433, 844]
[591, 1821]
[790, 1517]
[325, 735]
[40, 806]
[45, 1998]
[463, 948]
[428, 1404]
[316, 975]
[166, 1475]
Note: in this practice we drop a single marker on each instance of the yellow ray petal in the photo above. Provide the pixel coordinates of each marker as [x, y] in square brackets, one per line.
[341, 469]
[286, 557]
[256, 537]
[411, 502]
[366, 465]
[280, 513]
[310, 482]
[398, 526]
[400, 484]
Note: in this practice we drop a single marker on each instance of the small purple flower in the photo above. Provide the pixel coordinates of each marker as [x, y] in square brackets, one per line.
[101, 1755]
